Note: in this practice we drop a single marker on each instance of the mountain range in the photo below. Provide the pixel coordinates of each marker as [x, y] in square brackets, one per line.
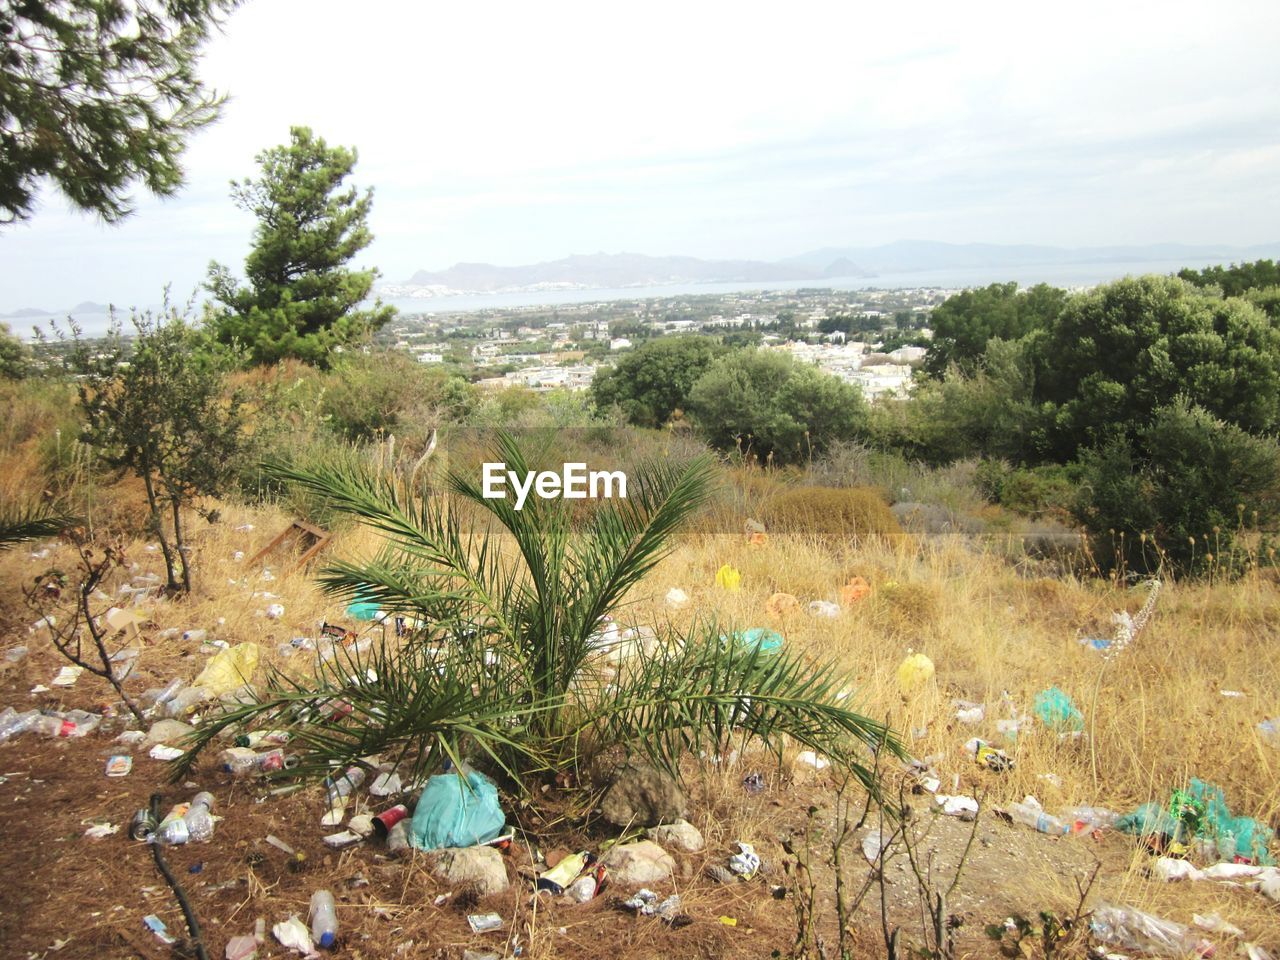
[603, 270]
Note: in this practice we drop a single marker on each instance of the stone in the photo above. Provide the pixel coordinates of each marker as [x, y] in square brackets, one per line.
[481, 866]
[643, 796]
[681, 835]
[638, 864]
[167, 731]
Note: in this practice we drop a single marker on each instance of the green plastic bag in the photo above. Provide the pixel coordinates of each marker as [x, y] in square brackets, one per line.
[453, 812]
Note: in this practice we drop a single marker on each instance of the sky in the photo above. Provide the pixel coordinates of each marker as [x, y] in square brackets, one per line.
[519, 132]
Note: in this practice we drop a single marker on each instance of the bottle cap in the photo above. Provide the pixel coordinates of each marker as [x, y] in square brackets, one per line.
[326, 939]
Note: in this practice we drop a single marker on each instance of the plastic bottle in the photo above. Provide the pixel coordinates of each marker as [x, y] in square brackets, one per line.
[199, 819]
[173, 828]
[1093, 818]
[324, 919]
[1030, 812]
[74, 723]
[185, 702]
[13, 723]
[194, 636]
[344, 784]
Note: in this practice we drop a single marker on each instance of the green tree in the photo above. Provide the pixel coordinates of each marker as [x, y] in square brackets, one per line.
[157, 406]
[97, 95]
[1118, 353]
[649, 384]
[765, 403]
[962, 324]
[1177, 493]
[301, 299]
[1237, 279]
[15, 358]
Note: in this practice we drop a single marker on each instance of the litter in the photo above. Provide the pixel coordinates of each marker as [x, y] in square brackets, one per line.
[914, 673]
[1133, 929]
[294, 935]
[324, 919]
[1269, 731]
[275, 611]
[156, 926]
[645, 902]
[873, 846]
[758, 639]
[855, 590]
[454, 813]
[781, 604]
[101, 830]
[958, 805]
[229, 670]
[810, 759]
[119, 765]
[753, 783]
[745, 862]
[728, 578]
[385, 785]
[824, 608]
[162, 752]
[67, 677]
[985, 755]
[676, 597]
[1056, 711]
[968, 712]
[484, 922]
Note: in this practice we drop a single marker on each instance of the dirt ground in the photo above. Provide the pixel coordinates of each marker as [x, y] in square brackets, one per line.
[68, 895]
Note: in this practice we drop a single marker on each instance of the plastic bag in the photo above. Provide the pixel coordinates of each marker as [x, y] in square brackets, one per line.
[1057, 712]
[453, 812]
[781, 604]
[1132, 929]
[230, 669]
[760, 639]
[728, 578]
[856, 589]
[914, 672]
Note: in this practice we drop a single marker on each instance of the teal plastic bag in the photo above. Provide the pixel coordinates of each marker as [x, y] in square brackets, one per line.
[1251, 837]
[1057, 712]
[768, 642]
[453, 812]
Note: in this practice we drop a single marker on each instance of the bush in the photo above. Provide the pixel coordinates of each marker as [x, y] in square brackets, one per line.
[846, 512]
[370, 395]
[1178, 495]
[764, 403]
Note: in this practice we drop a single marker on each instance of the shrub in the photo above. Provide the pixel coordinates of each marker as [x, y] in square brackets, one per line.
[1180, 492]
[846, 512]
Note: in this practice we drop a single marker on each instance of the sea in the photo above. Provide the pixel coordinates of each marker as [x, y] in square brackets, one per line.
[1067, 275]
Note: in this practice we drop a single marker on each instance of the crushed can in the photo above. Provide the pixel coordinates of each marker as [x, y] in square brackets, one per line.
[143, 825]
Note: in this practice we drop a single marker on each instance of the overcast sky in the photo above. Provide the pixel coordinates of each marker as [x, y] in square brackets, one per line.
[518, 132]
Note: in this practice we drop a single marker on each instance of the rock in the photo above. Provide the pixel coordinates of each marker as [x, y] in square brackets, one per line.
[720, 874]
[167, 731]
[681, 835]
[482, 866]
[638, 864]
[642, 796]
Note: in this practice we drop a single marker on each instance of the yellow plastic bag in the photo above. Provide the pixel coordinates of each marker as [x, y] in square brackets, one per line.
[728, 578]
[229, 670]
[914, 673]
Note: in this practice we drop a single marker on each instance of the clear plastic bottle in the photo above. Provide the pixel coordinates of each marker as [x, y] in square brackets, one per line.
[324, 919]
[256, 738]
[344, 784]
[199, 819]
[194, 636]
[173, 828]
[1030, 812]
[13, 723]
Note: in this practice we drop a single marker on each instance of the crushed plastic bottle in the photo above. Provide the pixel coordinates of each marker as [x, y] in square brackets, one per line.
[324, 919]
[343, 785]
[1030, 813]
[1092, 818]
[185, 702]
[13, 723]
[1132, 929]
[256, 738]
[199, 818]
[73, 723]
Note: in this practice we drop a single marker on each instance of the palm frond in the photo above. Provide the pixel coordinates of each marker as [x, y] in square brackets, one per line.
[22, 524]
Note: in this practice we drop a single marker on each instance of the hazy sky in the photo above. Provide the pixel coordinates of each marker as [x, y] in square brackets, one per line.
[517, 132]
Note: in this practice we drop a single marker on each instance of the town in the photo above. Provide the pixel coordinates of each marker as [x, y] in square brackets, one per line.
[870, 338]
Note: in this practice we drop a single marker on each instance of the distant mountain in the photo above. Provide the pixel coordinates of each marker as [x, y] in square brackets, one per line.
[909, 256]
[34, 313]
[615, 270]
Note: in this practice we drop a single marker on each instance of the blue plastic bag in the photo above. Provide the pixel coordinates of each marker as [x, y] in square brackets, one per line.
[768, 642]
[453, 812]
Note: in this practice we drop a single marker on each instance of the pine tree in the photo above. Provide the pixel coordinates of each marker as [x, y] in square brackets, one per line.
[301, 300]
[98, 95]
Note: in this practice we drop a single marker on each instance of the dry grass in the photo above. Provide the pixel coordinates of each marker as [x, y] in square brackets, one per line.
[1155, 716]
